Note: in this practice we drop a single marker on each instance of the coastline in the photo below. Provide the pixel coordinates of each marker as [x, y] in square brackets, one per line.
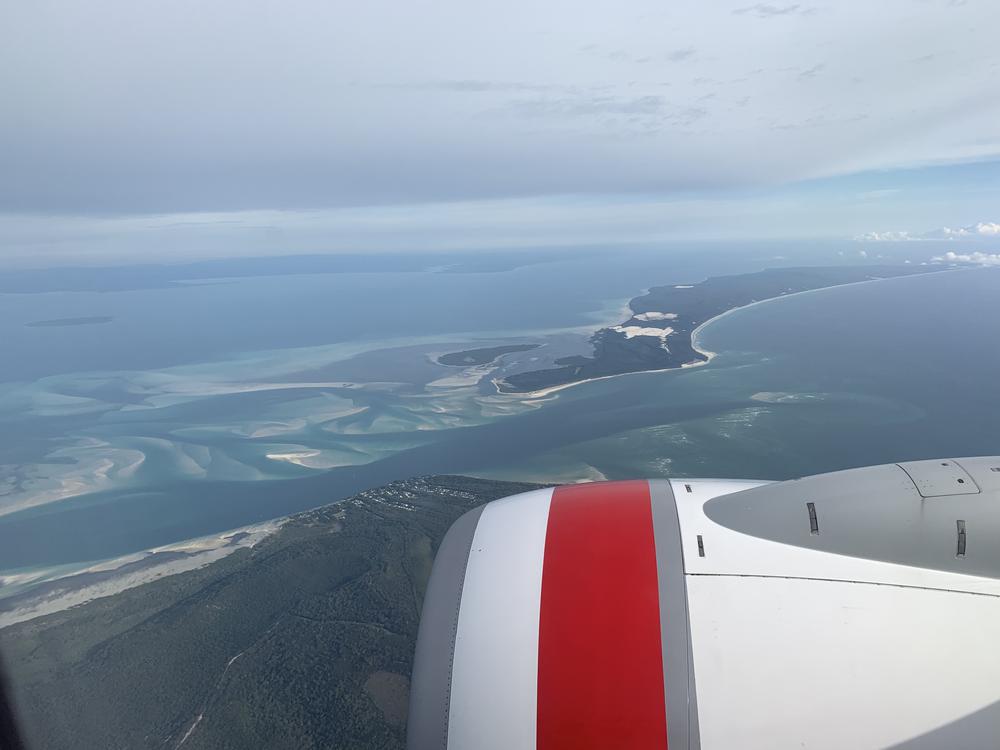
[98, 580]
[542, 392]
[696, 333]
[169, 567]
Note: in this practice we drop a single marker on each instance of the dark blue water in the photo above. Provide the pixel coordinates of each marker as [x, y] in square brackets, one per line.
[210, 320]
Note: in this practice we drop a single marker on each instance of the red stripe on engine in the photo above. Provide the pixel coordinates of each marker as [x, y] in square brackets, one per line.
[600, 665]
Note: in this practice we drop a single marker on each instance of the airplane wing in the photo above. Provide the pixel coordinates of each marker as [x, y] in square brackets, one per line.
[857, 609]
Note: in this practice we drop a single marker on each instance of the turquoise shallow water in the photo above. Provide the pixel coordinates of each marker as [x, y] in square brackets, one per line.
[864, 374]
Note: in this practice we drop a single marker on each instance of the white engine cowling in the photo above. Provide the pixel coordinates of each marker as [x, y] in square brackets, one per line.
[857, 609]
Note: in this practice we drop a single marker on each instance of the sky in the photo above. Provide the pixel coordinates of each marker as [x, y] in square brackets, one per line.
[152, 130]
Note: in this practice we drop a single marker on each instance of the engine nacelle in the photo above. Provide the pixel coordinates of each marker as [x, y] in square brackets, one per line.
[857, 609]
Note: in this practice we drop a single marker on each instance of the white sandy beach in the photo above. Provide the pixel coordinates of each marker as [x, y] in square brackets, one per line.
[200, 552]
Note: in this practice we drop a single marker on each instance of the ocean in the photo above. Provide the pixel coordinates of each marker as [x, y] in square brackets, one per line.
[209, 403]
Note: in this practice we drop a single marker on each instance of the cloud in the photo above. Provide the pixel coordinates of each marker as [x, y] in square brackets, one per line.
[468, 226]
[304, 104]
[885, 237]
[765, 10]
[982, 230]
[877, 194]
[679, 55]
[812, 71]
[977, 258]
[471, 86]
[589, 105]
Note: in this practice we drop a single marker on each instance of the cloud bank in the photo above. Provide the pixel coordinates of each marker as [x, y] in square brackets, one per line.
[979, 231]
[977, 258]
[302, 104]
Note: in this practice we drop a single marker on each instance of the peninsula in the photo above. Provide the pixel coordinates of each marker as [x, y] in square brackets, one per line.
[660, 333]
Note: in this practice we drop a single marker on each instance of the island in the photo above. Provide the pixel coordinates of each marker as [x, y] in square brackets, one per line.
[303, 640]
[482, 356]
[661, 333]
